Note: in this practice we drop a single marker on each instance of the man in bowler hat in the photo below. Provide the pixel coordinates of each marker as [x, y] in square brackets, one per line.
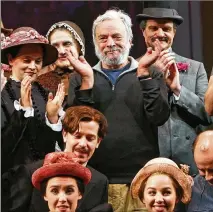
[186, 80]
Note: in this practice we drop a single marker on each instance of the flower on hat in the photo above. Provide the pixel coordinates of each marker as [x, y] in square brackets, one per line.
[23, 36]
[2, 37]
[33, 34]
[5, 42]
[27, 35]
[5, 67]
[182, 66]
[60, 157]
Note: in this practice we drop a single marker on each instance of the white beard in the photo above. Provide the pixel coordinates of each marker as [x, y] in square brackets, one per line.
[114, 61]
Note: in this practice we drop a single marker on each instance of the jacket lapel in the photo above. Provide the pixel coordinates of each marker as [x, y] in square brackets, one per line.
[88, 188]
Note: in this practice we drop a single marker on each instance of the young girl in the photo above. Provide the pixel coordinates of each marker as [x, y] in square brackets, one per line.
[160, 184]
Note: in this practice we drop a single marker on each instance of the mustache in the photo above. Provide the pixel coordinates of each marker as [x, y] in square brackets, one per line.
[111, 49]
[82, 150]
[153, 39]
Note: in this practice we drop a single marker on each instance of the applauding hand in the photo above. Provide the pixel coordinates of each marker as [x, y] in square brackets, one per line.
[164, 60]
[172, 78]
[84, 69]
[148, 59]
[26, 87]
[54, 104]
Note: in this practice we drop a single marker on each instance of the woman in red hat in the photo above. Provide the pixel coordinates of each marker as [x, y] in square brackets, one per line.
[25, 135]
[61, 180]
[160, 185]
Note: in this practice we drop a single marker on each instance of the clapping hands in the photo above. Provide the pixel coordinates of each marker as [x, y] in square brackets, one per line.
[54, 104]
[148, 59]
[26, 87]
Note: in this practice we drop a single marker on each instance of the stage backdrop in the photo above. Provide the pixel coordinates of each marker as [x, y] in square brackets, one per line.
[42, 14]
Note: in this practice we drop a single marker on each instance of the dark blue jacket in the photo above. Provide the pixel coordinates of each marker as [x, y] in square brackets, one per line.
[202, 196]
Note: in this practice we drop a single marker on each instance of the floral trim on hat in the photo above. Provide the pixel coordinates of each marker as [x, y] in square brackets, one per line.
[60, 157]
[69, 28]
[60, 163]
[6, 67]
[21, 36]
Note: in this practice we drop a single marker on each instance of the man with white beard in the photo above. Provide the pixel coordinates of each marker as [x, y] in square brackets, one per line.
[133, 99]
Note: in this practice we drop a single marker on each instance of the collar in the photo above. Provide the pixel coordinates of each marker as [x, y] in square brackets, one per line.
[12, 78]
[133, 65]
[170, 49]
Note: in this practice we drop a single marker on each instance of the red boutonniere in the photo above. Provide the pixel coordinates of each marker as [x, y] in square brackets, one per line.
[182, 66]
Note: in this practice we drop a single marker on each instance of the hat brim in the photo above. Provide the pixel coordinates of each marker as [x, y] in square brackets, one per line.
[177, 19]
[176, 173]
[58, 169]
[50, 52]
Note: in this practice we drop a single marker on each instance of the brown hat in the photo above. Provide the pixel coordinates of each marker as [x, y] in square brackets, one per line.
[166, 166]
[28, 35]
[60, 163]
[74, 29]
[4, 30]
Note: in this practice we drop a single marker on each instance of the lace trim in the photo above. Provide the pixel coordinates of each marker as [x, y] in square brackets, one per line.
[69, 28]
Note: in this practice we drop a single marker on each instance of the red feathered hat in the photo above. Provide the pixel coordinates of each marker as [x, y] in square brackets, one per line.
[60, 164]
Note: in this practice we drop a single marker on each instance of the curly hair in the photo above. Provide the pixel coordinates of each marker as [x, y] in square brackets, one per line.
[74, 115]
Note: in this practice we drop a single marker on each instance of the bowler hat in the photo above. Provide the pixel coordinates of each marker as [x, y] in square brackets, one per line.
[28, 35]
[60, 164]
[160, 10]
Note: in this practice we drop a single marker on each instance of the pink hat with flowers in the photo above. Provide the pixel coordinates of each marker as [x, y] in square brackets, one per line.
[28, 35]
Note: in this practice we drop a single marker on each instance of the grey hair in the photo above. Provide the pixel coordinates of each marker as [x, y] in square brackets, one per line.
[113, 14]
[143, 25]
